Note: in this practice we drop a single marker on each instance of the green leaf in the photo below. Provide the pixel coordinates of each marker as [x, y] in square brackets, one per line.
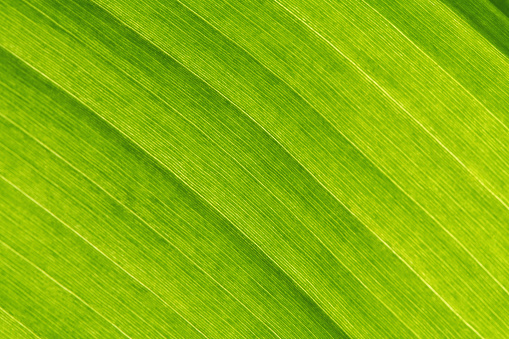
[254, 168]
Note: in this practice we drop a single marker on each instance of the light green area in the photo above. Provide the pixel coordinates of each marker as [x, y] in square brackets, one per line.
[254, 169]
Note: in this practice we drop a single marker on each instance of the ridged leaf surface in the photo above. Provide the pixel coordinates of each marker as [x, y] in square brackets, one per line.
[254, 169]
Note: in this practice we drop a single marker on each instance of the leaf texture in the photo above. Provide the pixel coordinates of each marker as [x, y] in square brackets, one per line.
[254, 169]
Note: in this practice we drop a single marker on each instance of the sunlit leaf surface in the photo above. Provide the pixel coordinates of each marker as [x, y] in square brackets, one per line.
[254, 168]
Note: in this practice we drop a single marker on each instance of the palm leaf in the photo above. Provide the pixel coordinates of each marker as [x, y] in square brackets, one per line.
[251, 168]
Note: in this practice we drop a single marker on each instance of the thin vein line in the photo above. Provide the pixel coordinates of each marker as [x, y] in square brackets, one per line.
[129, 308]
[493, 8]
[299, 164]
[143, 221]
[49, 276]
[383, 172]
[334, 127]
[436, 63]
[120, 169]
[317, 181]
[447, 304]
[184, 117]
[210, 139]
[481, 36]
[162, 164]
[384, 91]
[96, 248]
[379, 168]
[286, 151]
[19, 322]
[417, 203]
[402, 107]
[496, 120]
[212, 87]
[289, 51]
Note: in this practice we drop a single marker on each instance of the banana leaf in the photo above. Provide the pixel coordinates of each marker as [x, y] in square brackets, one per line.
[254, 169]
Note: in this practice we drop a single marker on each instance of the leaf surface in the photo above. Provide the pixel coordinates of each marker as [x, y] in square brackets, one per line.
[249, 168]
